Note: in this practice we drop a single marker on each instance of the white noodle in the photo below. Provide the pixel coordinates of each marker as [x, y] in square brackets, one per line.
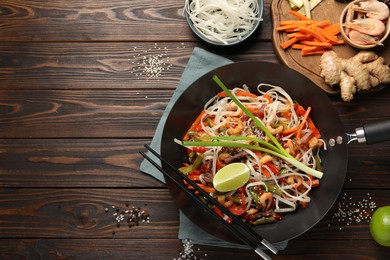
[223, 21]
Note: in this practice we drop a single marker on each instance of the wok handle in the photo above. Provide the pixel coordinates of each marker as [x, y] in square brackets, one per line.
[375, 132]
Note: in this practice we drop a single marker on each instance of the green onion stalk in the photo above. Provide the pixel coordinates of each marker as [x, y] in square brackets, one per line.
[275, 149]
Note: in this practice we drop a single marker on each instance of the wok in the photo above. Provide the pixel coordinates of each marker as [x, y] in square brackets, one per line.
[334, 159]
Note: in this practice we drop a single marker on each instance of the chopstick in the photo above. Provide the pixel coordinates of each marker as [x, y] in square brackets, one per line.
[237, 231]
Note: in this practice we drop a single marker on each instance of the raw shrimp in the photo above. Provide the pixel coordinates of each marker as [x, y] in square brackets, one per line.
[373, 9]
[368, 26]
[362, 38]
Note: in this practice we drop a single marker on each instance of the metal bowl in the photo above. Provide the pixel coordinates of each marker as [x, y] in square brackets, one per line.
[200, 34]
[324, 115]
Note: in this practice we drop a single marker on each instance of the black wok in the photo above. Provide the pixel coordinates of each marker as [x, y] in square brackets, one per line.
[334, 159]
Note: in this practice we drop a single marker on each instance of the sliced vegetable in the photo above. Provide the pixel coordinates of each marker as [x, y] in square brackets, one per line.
[310, 36]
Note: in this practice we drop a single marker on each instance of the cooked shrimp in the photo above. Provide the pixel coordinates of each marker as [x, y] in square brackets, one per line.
[235, 125]
[362, 38]
[294, 179]
[373, 9]
[234, 110]
[265, 159]
[368, 26]
[276, 130]
[266, 200]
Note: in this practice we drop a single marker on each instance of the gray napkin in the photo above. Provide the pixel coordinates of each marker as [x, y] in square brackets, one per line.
[199, 64]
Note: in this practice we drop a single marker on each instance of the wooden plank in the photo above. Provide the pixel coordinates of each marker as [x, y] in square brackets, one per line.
[87, 113]
[73, 163]
[115, 163]
[116, 20]
[175, 249]
[116, 65]
[80, 213]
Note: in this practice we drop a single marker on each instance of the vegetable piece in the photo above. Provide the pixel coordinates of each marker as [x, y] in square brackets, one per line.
[296, 3]
[306, 7]
[312, 5]
[363, 71]
[303, 123]
[288, 43]
[194, 125]
[306, 33]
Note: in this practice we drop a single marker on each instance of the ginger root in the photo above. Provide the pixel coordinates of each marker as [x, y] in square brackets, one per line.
[362, 72]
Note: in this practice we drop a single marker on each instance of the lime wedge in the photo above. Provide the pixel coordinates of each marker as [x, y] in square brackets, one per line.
[231, 177]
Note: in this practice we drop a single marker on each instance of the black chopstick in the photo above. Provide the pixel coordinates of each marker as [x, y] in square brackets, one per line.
[196, 199]
[243, 225]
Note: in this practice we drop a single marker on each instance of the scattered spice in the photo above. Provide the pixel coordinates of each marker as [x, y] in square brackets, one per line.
[188, 251]
[349, 212]
[150, 63]
[133, 216]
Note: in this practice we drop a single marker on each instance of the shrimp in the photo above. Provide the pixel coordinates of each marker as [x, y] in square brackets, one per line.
[276, 130]
[368, 26]
[294, 179]
[373, 9]
[235, 125]
[234, 110]
[266, 200]
[362, 38]
[265, 159]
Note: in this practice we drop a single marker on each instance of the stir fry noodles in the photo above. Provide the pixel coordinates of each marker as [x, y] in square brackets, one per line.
[272, 135]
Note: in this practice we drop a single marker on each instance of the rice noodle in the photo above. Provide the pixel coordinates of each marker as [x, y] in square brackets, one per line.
[289, 186]
[223, 21]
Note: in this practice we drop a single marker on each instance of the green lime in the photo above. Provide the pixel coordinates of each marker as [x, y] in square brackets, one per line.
[380, 225]
[231, 177]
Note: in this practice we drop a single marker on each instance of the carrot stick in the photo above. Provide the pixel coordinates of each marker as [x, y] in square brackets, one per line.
[298, 46]
[325, 33]
[268, 97]
[206, 188]
[194, 125]
[295, 22]
[288, 43]
[290, 130]
[237, 93]
[321, 23]
[333, 28]
[313, 52]
[313, 33]
[287, 27]
[299, 15]
[303, 123]
[318, 44]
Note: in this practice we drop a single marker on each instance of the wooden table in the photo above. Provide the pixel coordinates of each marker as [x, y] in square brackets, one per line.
[83, 85]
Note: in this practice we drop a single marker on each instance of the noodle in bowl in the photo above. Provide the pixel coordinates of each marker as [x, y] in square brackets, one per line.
[223, 22]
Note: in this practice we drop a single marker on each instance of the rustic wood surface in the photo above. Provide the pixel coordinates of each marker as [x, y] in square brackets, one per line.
[74, 95]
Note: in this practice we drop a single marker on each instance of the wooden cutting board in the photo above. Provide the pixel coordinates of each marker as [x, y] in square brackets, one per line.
[309, 65]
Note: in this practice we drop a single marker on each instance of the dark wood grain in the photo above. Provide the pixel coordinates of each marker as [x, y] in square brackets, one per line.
[119, 65]
[80, 213]
[73, 163]
[116, 20]
[174, 249]
[115, 163]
